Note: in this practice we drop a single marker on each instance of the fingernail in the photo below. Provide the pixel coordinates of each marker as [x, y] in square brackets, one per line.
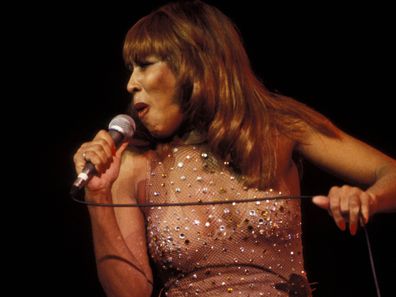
[315, 199]
[342, 225]
[352, 228]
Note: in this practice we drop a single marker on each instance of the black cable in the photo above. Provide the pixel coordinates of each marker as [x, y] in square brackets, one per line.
[377, 288]
[197, 203]
[280, 197]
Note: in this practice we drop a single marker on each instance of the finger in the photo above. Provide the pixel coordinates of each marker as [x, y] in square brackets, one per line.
[79, 159]
[105, 136]
[104, 147]
[79, 164]
[354, 212]
[121, 149]
[335, 200]
[344, 202]
[321, 201]
[365, 206]
[98, 157]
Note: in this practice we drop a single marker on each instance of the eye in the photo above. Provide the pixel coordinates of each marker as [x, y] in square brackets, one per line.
[143, 64]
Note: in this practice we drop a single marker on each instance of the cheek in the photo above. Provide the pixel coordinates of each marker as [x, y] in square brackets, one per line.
[172, 117]
[167, 122]
[161, 81]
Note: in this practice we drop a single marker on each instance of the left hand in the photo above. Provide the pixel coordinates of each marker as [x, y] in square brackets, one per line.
[346, 204]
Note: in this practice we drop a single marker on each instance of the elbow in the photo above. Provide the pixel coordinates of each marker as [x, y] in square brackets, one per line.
[387, 170]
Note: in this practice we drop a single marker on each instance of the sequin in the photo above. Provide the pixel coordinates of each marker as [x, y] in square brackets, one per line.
[222, 191]
[204, 155]
[218, 248]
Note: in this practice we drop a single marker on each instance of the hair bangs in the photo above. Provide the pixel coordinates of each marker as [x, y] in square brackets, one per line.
[150, 36]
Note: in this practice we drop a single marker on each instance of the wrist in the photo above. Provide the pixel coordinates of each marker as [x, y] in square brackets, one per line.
[373, 203]
[98, 196]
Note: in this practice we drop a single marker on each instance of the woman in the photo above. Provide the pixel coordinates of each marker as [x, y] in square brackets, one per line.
[218, 135]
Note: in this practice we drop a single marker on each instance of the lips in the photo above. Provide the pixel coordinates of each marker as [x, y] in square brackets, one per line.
[141, 108]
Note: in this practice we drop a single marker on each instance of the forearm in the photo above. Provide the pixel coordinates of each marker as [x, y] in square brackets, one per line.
[120, 273]
[384, 190]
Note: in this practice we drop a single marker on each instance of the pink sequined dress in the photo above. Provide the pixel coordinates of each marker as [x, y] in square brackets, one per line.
[232, 249]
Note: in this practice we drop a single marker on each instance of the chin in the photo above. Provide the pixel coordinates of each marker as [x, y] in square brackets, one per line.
[161, 134]
[165, 129]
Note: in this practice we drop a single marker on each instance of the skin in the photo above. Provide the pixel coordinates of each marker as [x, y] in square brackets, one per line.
[359, 163]
[152, 82]
[121, 231]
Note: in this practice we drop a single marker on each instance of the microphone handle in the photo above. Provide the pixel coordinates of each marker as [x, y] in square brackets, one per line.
[89, 169]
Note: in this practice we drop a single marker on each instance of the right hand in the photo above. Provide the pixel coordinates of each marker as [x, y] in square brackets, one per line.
[102, 153]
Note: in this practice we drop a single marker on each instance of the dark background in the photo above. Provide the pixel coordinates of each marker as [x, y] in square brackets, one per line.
[338, 59]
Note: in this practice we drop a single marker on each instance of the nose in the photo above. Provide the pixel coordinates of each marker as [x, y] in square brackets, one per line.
[133, 85]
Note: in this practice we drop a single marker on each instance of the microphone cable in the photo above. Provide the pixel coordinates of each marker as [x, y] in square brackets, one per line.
[233, 202]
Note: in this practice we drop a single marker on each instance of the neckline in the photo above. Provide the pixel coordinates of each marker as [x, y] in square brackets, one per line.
[191, 138]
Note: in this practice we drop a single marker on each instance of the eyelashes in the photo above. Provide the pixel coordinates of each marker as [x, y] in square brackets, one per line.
[140, 64]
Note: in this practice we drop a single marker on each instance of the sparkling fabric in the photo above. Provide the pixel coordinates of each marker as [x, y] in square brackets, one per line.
[234, 249]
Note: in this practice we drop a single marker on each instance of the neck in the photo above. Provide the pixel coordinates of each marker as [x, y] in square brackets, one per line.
[190, 138]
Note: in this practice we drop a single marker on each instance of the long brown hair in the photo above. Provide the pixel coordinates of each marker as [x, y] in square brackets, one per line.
[220, 95]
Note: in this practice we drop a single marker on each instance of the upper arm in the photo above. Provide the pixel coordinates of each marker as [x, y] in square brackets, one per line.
[131, 219]
[344, 156]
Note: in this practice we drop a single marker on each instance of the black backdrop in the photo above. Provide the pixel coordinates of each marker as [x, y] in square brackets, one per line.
[337, 59]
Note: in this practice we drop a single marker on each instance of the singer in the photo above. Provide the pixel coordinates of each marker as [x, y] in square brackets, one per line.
[215, 133]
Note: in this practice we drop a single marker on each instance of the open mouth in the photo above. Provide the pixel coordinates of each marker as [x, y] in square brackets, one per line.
[141, 108]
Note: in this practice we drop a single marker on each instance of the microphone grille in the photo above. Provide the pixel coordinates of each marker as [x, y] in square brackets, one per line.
[124, 124]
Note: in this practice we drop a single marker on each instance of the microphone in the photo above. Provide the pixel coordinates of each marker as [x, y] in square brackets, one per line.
[121, 127]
